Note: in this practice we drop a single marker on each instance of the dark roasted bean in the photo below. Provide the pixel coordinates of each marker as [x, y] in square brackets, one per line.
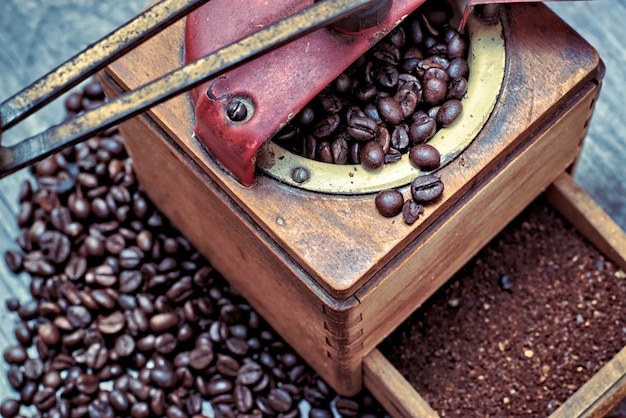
[422, 129]
[15, 354]
[327, 126]
[362, 128]
[372, 156]
[44, 399]
[250, 373]
[347, 407]
[390, 110]
[389, 202]
[449, 112]
[411, 211]
[435, 91]
[425, 156]
[426, 188]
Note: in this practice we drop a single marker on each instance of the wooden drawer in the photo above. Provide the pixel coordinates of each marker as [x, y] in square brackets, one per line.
[325, 284]
[593, 399]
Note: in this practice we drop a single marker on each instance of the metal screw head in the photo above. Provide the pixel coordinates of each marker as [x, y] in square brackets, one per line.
[300, 174]
[239, 109]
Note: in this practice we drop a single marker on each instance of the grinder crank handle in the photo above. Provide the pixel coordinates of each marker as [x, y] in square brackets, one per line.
[85, 125]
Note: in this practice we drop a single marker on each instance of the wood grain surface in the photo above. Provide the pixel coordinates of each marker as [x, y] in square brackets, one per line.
[37, 35]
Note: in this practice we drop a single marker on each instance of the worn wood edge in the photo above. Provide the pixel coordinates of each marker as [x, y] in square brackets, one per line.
[392, 390]
[599, 394]
[588, 218]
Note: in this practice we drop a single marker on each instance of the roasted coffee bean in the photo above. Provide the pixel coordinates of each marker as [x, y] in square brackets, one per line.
[163, 378]
[459, 67]
[329, 102]
[201, 357]
[165, 343]
[78, 316]
[124, 345]
[306, 116]
[112, 324]
[28, 392]
[101, 409]
[384, 138]
[355, 150]
[457, 46]
[372, 156]
[180, 290]
[140, 410]
[408, 99]
[25, 214]
[387, 52]
[50, 309]
[104, 275]
[79, 206]
[114, 244]
[411, 211]
[449, 112]
[227, 365]
[37, 265]
[218, 386]
[130, 281]
[385, 76]
[44, 399]
[457, 88]
[426, 188]
[280, 400]
[33, 368]
[93, 90]
[22, 333]
[435, 91]
[347, 407]
[425, 156]
[96, 356]
[422, 129]
[130, 257]
[320, 413]
[119, 400]
[174, 411]
[362, 128]
[389, 202]
[163, 321]
[390, 110]
[51, 379]
[250, 373]
[393, 156]
[9, 408]
[15, 376]
[436, 72]
[400, 138]
[15, 354]
[13, 260]
[327, 126]
[76, 267]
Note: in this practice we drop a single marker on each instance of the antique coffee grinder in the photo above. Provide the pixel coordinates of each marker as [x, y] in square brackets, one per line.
[301, 239]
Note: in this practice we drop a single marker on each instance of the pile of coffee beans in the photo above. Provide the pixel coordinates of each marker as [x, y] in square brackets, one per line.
[390, 102]
[394, 97]
[126, 318]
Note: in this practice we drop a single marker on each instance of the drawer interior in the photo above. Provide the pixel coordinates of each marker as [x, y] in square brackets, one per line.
[536, 314]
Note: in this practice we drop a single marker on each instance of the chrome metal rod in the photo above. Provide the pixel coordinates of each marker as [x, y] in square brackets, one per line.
[136, 101]
[92, 59]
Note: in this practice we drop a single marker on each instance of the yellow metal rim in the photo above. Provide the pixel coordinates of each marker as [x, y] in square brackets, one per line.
[487, 65]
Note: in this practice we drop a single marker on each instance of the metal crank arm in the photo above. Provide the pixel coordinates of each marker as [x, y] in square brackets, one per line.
[85, 125]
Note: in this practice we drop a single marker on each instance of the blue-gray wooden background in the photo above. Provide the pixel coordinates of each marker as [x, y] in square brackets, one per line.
[37, 35]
